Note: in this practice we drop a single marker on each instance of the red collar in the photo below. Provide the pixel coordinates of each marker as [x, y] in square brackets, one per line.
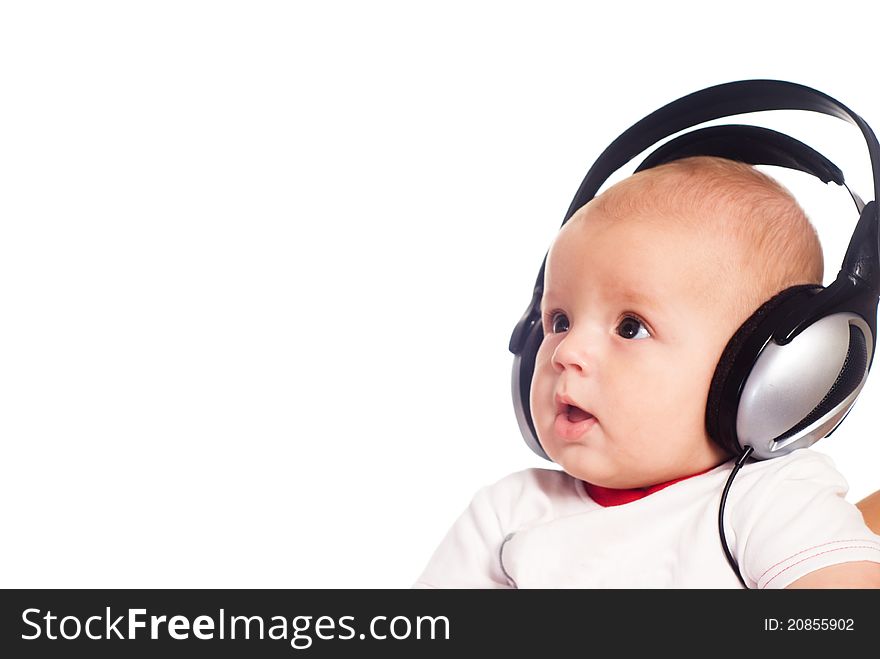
[607, 496]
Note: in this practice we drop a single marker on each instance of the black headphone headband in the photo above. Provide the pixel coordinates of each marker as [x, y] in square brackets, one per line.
[753, 145]
[714, 103]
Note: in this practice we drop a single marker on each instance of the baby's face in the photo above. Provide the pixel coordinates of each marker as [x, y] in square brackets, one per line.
[634, 324]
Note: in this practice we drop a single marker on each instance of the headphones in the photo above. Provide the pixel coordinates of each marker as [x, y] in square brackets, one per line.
[792, 371]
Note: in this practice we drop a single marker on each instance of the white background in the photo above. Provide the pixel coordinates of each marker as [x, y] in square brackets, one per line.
[260, 262]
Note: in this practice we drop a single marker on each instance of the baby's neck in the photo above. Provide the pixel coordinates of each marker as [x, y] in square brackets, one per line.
[608, 496]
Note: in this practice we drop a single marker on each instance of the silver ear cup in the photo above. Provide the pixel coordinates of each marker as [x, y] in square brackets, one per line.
[797, 393]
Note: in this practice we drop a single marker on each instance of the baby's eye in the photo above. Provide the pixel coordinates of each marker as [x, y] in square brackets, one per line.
[558, 322]
[629, 327]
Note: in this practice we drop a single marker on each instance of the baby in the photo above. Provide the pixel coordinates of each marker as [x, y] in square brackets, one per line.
[643, 288]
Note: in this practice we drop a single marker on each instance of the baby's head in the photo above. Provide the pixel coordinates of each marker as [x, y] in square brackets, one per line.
[643, 288]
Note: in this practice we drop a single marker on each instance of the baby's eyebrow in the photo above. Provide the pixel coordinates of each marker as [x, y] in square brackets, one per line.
[637, 297]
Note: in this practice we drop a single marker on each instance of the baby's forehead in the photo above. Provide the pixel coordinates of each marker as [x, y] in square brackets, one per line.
[635, 228]
[647, 260]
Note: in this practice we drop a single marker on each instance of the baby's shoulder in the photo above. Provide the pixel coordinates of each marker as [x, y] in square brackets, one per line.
[803, 470]
[529, 492]
[804, 463]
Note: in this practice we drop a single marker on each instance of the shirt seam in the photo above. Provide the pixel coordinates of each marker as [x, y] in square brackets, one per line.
[814, 556]
[803, 551]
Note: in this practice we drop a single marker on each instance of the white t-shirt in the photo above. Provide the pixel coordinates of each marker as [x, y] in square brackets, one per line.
[538, 528]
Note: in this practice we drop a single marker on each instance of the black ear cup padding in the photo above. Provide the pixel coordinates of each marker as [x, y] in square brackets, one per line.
[729, 357]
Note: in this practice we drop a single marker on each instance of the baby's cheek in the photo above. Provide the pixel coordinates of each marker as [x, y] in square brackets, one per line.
[540, 391]
[678, 406]
[543, 407]
[660, 399]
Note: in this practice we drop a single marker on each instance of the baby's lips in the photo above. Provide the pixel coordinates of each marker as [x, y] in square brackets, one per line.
[564, 402]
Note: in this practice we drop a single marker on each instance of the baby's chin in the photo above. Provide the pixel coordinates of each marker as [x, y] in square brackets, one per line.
[579, 461]
[587, 464]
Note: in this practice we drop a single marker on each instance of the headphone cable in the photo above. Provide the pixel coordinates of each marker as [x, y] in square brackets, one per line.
[739, 463]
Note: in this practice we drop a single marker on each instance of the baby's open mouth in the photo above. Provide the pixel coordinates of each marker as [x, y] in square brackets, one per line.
[572, 422]
[576, 414]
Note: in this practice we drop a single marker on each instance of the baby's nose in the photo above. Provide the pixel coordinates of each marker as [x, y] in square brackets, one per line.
[573, 353]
